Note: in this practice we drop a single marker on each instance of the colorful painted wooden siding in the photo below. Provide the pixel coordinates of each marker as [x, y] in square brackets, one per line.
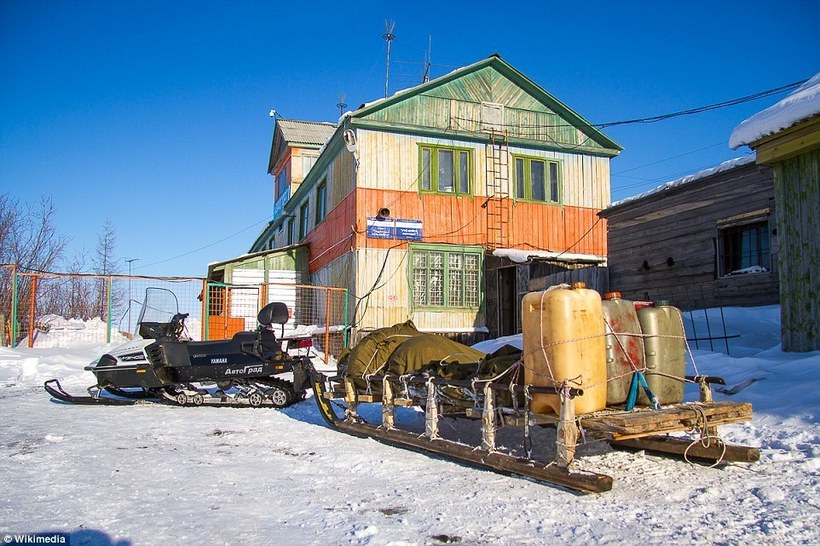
[391, 303]
[456, 106]
[390, 161]
[463, 221]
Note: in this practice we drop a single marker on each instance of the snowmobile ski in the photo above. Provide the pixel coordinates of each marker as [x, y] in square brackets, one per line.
[53, 387]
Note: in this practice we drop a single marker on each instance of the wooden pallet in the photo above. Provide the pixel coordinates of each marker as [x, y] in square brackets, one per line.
[622, 425]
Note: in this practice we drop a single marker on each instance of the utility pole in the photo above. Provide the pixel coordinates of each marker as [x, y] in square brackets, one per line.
[388, 36]
[129, 261]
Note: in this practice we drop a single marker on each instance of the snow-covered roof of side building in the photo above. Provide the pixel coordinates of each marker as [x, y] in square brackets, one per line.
[725, 166]
[801, 104]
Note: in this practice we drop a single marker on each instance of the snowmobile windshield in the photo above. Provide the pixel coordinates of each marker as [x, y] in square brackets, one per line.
[159, 306]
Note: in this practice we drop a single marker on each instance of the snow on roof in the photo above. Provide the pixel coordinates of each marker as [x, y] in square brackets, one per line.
[522, 256]
[725, 166]
[801, 104]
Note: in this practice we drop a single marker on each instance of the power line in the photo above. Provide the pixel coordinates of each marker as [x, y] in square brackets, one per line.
[698, 110]
[620, 173]
[264, 220]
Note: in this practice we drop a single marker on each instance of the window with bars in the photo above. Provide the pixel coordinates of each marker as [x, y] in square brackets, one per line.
[445, 170]
[445, 277]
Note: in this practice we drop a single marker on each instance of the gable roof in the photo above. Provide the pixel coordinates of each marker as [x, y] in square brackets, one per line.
[306, 133]
[568, 116]
[801, 104]
[299, 134]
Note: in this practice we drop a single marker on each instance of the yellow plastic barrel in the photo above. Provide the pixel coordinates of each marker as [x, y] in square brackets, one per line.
[624, 346]
[563, 331]
[665, 351]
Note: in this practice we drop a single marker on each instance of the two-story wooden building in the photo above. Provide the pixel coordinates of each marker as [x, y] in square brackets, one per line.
[418, 202]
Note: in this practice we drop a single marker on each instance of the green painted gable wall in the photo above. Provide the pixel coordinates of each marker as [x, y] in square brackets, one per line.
[455, 107]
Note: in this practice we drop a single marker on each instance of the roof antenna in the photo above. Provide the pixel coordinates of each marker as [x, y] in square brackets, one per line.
[428, 60]
[341, 105]
[388, 36]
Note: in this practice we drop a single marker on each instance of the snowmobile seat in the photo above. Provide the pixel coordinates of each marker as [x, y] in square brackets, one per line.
[273, 313]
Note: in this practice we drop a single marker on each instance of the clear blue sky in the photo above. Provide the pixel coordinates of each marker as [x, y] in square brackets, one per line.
[155, 114]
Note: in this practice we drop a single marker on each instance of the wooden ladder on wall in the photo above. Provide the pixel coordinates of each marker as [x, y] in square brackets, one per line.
[497, 190]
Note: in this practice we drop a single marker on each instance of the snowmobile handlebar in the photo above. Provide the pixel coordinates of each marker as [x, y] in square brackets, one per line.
[176, 326]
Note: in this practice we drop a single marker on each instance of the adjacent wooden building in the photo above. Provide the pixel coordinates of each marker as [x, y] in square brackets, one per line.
[786, 136]
[416, 202]
[705, 240]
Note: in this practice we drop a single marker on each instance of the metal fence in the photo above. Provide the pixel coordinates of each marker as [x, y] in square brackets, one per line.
[48, 309]
[318, 313]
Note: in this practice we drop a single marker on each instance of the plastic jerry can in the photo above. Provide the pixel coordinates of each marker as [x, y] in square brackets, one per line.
[665, 351]
[563, 334]
[624, 346]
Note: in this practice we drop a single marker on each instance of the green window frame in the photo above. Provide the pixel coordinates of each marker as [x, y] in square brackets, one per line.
[445, 276]
[537, 179]
[304, 220]
[291, 225]
[445, 170]
[321, 201]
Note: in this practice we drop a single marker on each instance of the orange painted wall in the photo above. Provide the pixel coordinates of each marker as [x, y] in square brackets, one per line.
[462, 220]
[334, 236]
[454, 220]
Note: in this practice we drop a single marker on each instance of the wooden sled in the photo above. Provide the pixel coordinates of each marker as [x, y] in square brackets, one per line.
[641, 428]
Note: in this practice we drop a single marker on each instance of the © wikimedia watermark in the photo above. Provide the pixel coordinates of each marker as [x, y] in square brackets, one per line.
[13, 539]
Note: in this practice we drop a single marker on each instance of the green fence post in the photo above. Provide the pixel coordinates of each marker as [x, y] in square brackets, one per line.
[347, 303]
[207, 299]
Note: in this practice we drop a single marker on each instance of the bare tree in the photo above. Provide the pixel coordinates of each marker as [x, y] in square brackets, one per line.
[29, 240]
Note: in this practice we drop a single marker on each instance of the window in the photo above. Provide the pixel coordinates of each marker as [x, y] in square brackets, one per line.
[321, 201]
[744, 248]
[445, 277]
[304, 220]
[308, 161]
[445, 170]
[291, 223]
[282, 182]
[537, 180]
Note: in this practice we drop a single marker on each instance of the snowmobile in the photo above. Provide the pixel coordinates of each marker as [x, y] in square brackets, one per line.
[162, 364]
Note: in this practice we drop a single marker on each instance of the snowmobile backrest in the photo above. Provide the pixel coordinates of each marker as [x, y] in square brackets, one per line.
[273, 313]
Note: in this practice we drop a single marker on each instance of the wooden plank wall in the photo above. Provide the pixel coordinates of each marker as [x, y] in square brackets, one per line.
[456, 106]
[798, 195]
[456, 220]
[681, 224]
[390, 161]
[389, 302]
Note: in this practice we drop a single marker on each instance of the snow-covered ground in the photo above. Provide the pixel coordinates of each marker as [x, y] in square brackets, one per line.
[160, 474]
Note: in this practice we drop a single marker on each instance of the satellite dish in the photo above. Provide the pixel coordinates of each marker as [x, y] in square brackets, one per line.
[350, 140]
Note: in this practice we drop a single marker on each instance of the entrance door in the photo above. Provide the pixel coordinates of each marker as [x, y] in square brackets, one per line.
[507, 301]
